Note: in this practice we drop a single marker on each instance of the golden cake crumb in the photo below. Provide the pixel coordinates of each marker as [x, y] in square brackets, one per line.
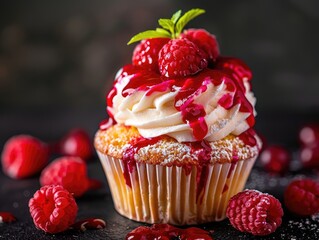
[167, 151]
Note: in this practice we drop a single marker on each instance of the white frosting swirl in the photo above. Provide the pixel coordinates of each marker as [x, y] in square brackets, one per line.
[155, 114]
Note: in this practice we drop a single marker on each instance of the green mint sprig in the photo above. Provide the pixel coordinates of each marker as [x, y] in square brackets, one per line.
[170, 27]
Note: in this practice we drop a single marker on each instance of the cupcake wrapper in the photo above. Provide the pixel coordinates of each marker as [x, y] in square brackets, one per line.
[161, 194]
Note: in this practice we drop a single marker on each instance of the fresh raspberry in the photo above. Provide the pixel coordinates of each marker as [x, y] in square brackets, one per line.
[275, 159]
[53, 209]
[76, 143]
[181, 58]
[302, 197]
[309, 135]
[69, 172]
[236, 67]
[204, 41]
[309, 156]
[146, 53]
[24, 156]
[254, 212]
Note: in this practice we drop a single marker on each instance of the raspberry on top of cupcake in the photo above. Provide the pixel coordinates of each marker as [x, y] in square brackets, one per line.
[179, 86]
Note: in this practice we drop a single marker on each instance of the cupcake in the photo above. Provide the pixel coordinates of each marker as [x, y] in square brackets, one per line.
[179, 141]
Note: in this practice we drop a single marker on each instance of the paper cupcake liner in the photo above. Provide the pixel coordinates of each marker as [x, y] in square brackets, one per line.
[161, 194]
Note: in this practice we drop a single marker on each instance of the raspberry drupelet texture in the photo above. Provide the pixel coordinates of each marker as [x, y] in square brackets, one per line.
[24, 156]
[302, 197]
[204, 41]
[69, 172]
[254, 212]
[180, 58]
[53, 209]
[146, 53]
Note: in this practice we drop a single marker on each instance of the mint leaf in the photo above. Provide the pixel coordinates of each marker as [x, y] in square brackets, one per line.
[176, 16]
[167, 24]
[171, 28]
[148, 34]
[188, 16]
[164, 31]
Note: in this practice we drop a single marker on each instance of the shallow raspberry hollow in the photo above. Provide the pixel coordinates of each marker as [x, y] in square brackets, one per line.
[69, 172]
[181, 58]
[204, 41]
[53, 209]
[146, 53]
[254, 212]
[24, 156]
[302, 197]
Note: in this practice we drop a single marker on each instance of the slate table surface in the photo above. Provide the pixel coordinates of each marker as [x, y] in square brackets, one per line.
[15, 194]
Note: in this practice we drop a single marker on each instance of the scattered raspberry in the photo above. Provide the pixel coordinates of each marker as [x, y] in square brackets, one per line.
[146, 53]
[309, 156]
[53, 209]
[254, 212]
[76, 143]
[70, 172]
[204, 41]
[309, 135]
[6, 217]
[167, 232]
[180, 58]
[24, 156]
[275, 159]
[302, 197]
[236, 67]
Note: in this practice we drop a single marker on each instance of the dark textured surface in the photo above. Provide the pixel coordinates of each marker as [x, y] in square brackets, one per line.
[48, 125]
[15, 195]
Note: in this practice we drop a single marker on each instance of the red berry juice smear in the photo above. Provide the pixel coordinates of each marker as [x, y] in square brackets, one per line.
[203, 152]
[128, 156]
[89, 223]
[168, 232]
[7, 217]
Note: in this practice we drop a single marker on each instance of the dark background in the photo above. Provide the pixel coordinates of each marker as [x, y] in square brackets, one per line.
[58, 58]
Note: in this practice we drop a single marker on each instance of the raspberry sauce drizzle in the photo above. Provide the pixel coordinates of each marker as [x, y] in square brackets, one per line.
[7, 217]
[230, 71]
[202, 151]
[169, 232]
[128, 156]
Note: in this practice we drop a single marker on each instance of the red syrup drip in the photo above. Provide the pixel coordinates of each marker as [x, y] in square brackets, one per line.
[233, 163]
[106, 123]
[203, 152]
[248, 137]
[168, 232]
[88, 223]
[226, 187]
[192, 113]
[128, 156]
[7, 217]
